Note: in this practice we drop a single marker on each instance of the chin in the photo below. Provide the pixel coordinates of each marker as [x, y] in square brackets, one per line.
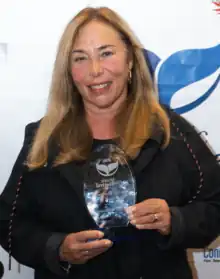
[103, 105]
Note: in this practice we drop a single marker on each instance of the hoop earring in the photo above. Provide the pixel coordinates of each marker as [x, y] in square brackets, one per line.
[129, 77]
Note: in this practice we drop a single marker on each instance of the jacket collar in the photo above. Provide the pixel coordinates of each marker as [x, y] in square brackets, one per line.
[148, 152]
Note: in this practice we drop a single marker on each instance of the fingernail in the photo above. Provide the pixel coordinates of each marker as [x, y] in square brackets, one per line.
[130, 216]
[100, 234]
[130, 210]
[133, 222]
[107, 242]
[127, 210]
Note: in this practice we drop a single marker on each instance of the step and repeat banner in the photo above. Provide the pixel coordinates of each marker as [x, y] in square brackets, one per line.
[182, 41]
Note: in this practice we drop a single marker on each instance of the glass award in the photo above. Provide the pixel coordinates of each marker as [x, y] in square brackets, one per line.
[109, 186]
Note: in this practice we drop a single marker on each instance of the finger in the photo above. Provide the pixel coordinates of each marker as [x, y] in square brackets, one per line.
[84, 256]
[151, 226]
[80, 257]
[95, 252]
[88, 235]
[92, 251]
[150, 218]
[104, 243]
[99, 250]
[143, 209]
[81, 260]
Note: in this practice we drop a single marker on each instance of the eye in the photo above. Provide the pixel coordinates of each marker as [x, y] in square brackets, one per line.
[79, 59]
[107, 53]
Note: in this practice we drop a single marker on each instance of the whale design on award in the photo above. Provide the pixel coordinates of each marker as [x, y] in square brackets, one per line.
[109, 186]
[107, 169]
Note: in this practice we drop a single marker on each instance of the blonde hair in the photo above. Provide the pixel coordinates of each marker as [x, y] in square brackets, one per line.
[64, 122]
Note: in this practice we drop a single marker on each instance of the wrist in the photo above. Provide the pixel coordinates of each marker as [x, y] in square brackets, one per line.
[64, 264]
[165, 231]
[61, 254]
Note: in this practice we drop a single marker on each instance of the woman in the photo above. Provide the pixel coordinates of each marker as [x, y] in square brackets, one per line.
[102, 92]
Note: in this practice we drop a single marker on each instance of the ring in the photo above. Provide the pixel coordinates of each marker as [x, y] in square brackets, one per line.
[155, 217]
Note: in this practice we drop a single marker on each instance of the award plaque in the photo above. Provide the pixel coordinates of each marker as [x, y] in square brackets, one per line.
[109, 186]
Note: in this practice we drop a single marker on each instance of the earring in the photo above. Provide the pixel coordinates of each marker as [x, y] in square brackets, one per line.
[129, 77]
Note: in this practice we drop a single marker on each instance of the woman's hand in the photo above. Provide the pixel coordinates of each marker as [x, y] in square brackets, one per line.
[78, 248]
[151, 214]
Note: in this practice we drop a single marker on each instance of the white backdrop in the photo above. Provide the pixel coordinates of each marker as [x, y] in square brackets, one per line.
[30, 31]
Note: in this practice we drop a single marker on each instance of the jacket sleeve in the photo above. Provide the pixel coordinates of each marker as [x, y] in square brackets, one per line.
[32, 244]
[195, 223]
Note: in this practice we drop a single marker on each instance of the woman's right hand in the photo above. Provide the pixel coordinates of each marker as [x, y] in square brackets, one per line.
[78, 248]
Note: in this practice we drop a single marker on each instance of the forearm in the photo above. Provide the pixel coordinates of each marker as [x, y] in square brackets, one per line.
[52, 254]
[27, 242]
[34, 246]
[192, 226]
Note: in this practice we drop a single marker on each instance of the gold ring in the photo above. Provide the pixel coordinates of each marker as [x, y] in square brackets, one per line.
[155, 217]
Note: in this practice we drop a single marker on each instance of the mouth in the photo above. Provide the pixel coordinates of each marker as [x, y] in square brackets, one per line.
[100, 87]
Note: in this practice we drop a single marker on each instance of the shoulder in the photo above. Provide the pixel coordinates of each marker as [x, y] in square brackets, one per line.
[30, 131]
[182, 129]
[179, 123]
[19, 166]
[187, 138]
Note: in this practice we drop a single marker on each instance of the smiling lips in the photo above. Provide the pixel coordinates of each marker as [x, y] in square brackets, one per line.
[100, 87]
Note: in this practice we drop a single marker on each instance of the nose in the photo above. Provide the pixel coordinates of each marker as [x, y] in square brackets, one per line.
[96, 68]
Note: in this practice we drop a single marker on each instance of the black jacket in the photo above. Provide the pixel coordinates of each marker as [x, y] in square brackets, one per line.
[50, 205]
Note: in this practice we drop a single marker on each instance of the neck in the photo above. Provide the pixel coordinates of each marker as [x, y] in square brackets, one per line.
[102, 120]
[102, 125]
[102, 128]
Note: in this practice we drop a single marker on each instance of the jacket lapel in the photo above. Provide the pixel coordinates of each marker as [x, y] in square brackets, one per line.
[73, 172]
[149, 150]
[146, 155]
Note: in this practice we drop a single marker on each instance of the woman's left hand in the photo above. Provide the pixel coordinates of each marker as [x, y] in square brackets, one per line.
[151, 214]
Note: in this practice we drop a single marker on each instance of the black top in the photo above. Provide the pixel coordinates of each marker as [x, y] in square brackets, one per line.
[98, 142]
[51, 205]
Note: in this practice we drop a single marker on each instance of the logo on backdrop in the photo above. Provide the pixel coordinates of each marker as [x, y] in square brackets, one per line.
[216, 6]
[183, 69]
[211, 255]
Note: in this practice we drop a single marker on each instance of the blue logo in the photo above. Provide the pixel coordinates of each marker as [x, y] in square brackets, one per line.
[181, 69]
[211, 255]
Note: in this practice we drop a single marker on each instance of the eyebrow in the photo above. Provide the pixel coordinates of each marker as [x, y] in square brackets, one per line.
[99, 48]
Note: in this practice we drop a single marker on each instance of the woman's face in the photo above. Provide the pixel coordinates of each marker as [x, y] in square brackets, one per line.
[100, 65]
